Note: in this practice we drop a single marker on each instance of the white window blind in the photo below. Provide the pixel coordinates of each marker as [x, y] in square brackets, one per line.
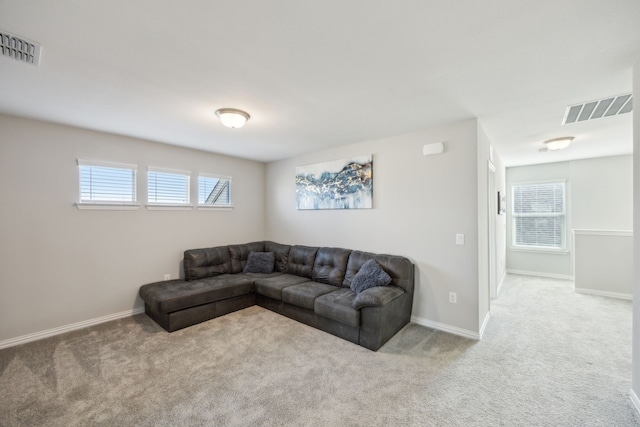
[214, 190]
[167, 187]
[539, 215]
[107, 183]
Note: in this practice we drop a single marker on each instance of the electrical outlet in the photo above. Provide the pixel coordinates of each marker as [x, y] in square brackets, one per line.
[453, 298]
[167, 277]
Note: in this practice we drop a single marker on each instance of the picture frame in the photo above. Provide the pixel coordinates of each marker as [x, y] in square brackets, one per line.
[502, 204]
[337, 184]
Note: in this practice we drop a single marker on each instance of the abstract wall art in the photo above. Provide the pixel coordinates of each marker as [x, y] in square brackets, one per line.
[339, 184]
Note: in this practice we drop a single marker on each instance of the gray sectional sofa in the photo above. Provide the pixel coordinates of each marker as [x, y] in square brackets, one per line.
[309, 284]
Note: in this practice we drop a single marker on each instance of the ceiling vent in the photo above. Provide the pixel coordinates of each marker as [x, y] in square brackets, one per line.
[20, 49]
[606, 107]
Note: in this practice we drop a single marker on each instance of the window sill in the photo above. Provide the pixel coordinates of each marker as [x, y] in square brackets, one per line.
[215, 208]
[548, 251]
[108, 206]
[161, 207]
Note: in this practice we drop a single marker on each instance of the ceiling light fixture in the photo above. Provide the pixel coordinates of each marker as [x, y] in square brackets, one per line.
[558, 143]
[232, 118]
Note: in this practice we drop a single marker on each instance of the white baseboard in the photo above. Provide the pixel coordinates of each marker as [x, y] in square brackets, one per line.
[604, 293]
[446, 328]
[484, 324]
[68, 328]
[538, 274]
[634, 399]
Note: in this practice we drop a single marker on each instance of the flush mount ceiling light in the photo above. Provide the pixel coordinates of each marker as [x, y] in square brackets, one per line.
[557, 143]
[232, 118]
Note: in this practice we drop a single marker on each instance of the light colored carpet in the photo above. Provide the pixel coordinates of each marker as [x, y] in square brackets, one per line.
[549, 357]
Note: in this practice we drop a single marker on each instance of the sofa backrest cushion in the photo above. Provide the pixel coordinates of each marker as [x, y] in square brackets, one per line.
[330, 266]
[282, 254]
[301, 260]
[208, 262]
[356, 260]
[371, 275]
[239, 254]
[260, 262]
[400, 269]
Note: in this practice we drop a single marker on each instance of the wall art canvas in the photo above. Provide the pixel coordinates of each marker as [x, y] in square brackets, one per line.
[339, 184]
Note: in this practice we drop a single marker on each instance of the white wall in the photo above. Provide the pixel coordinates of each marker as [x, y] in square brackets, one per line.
[483, 170]
[599, 197]
[602, 218]
[60, 265]
[501, 221]
[420, 203]
[602, 193]
[603, 263]
[635, 384]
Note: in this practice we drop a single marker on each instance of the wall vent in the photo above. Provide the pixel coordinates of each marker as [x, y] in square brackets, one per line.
[20, 49]
[611, 106]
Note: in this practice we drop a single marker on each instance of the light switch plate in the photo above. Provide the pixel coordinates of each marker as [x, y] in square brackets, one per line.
[459, 239]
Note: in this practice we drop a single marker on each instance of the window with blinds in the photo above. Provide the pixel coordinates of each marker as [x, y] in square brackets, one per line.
[539, 215]
[107, 183]
[167, 187]
[214, 190]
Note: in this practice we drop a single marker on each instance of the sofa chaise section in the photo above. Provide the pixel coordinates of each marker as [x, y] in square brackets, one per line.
[176, 304]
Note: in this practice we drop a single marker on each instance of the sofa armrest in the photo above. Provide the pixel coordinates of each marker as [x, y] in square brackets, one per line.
[377, 296]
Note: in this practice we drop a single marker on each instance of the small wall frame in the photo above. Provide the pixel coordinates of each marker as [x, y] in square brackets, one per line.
[502, 204]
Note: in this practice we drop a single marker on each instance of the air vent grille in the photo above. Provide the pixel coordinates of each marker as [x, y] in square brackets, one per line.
[19, 49]
[611, 106]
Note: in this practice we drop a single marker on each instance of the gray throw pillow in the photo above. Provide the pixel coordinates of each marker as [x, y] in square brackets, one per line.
[369, 275]
[260, 262]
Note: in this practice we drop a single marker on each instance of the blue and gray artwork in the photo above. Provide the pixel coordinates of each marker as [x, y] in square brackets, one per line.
[341, 184]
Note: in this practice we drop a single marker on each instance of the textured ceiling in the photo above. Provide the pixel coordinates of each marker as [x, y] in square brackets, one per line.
[315, 75]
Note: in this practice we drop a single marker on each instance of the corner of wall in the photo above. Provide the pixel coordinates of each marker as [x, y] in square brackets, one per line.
[484, 147]
[635, 358]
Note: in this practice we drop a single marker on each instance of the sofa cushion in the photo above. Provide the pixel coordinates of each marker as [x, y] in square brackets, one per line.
[330, 265]
[174, 295]
[208, 262]
[305, 294]
[272, 286]
[254, 276]
[260, 262]
[338, 305]
[369, 276]
[400, 269]
[301, 260]
[377, 296]
[282, 254]
[356, 261]
[239, 254]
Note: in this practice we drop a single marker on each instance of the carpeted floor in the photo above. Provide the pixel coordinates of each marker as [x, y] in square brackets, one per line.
[549, 357]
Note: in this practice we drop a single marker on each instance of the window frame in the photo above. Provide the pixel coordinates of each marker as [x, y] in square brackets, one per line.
[108, 204]
[564, 245]
[165, 205]
[229, 179]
